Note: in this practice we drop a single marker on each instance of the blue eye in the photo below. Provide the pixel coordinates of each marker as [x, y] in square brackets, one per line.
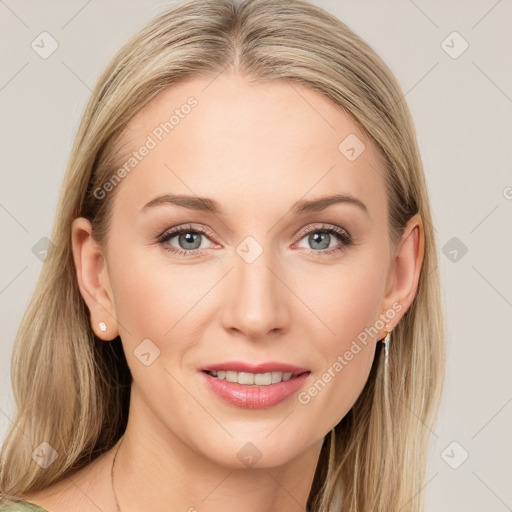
[190, 240]
[187, 236]
[322, 237]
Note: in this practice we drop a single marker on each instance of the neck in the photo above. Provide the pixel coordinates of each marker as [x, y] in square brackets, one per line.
[157, 469]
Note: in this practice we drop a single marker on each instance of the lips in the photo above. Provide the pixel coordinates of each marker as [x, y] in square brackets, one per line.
[286, 380]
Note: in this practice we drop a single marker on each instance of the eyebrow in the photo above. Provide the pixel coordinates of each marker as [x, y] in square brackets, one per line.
[208, 205]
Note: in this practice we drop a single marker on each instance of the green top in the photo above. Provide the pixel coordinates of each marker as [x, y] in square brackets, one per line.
[20, 506]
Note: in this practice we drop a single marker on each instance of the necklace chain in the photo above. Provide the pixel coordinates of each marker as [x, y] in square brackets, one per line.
[112, 475]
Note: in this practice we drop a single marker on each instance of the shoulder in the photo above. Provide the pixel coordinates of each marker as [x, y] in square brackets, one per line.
[20, 506]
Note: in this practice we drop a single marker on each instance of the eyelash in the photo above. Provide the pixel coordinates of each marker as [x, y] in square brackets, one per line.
[342, 235]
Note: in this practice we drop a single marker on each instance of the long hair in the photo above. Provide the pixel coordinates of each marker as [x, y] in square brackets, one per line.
[72, 390]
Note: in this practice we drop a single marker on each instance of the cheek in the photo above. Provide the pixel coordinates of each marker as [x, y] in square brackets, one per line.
[140, 301]
[155, 299]
[156, 303]
[346, 300]
[349, 310]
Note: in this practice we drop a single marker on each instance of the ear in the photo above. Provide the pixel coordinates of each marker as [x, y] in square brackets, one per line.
[405, 270]
[93, 280]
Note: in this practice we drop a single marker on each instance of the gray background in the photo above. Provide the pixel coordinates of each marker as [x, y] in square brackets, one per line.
[462, 109]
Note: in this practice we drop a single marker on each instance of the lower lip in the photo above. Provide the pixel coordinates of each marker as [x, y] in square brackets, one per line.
[252, 396]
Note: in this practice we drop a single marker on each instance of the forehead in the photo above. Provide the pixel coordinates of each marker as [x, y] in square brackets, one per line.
[243, 143]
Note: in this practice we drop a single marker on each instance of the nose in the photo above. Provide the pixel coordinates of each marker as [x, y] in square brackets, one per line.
[256, 299]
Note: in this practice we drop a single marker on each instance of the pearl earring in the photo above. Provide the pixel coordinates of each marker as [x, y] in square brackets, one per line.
[103, 326]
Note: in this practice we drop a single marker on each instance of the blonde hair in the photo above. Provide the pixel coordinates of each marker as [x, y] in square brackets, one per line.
[72, 389]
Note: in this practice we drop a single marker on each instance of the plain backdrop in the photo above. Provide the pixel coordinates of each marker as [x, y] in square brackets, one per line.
[461, 101]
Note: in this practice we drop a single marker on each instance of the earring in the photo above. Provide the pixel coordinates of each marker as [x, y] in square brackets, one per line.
[386, 344]
[103, 326]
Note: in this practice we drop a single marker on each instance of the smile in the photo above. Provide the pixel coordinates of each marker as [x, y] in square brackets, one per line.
[254, 390]
[257, 379]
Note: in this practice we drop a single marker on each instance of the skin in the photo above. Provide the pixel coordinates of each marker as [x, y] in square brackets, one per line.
[244, 145]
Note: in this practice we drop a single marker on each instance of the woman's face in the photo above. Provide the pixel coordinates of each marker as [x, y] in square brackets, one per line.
[262, 279]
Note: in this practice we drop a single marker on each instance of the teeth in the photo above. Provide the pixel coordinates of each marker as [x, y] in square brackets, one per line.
[258, 379]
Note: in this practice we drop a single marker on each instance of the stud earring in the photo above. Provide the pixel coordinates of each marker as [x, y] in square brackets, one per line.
[103, 326]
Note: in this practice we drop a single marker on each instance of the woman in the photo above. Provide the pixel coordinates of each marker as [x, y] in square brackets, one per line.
[241, 309]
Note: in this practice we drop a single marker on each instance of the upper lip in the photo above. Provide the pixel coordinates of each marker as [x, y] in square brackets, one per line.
[271, 366]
